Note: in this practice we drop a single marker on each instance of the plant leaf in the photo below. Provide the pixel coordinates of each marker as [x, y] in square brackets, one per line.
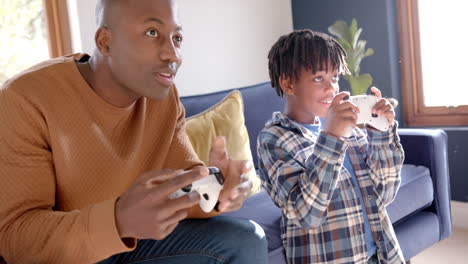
[369, 52]
[339, 29]
[353, 28]
[351, 63]
[361, 46]
[356, 37]
[345, 44]
[359, 84]
[348, 37]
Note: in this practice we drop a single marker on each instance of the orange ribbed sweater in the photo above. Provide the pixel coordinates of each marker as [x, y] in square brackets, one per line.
[65, 157]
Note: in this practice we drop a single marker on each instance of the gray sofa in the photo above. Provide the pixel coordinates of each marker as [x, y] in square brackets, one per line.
[420, 212]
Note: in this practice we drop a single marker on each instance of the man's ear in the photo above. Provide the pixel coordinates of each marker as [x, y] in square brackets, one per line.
[286, 85]
[102, 39]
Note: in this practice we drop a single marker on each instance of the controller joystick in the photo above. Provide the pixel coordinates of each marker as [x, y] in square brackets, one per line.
[208, 188]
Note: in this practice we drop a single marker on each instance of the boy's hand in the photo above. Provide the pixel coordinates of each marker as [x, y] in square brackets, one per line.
[383, 107]
[341, 116]
[236, 185]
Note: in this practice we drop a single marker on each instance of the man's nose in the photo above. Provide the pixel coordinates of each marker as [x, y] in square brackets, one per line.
[170, 52]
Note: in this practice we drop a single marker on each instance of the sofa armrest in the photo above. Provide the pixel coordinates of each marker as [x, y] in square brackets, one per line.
[428, 147]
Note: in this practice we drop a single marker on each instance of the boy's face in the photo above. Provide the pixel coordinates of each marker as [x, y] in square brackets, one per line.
[311, 94]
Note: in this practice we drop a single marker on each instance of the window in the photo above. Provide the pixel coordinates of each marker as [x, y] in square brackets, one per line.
[433, 59]
[31, 31]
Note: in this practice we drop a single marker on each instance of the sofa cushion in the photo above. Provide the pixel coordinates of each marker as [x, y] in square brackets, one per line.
[225, 118]
[259, 100]
[417, 233]
[261, 209]
[416, 192]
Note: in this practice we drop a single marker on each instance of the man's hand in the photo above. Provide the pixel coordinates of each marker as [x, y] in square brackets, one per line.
[236, 184]
[145, 211]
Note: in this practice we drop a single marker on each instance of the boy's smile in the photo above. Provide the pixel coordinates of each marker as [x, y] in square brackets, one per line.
[310, 95]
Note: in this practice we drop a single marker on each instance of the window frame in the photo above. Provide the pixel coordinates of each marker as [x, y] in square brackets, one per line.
[58, 27]
[416, 114]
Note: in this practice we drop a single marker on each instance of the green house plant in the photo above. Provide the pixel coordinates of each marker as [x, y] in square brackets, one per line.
[348, 37]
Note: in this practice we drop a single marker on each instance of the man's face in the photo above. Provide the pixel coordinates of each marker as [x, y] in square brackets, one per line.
[144, 46]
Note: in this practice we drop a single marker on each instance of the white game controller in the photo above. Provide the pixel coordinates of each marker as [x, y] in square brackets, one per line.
[365, 116]
[208, 188]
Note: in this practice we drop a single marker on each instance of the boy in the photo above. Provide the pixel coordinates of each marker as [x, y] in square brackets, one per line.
[332, 189]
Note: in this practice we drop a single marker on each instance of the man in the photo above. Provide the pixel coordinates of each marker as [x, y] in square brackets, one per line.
[91, 147]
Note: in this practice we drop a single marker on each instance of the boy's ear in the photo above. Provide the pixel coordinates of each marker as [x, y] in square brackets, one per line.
[286, 85]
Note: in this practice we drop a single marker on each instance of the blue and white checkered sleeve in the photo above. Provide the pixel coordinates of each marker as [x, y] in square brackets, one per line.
[303, 191]
[385, 159]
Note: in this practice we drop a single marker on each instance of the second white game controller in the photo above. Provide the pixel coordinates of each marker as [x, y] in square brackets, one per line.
[365, 103]
[208, 188]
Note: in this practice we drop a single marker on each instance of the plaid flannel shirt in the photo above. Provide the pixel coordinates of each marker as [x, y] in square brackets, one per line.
[322, 218]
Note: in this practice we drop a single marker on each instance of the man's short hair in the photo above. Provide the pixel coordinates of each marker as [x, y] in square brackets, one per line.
[303, 50]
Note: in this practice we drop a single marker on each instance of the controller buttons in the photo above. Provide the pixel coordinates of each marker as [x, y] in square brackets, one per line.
[187, 188]
[213, 170]
[217, 173]
[219, 178]
[205, 195]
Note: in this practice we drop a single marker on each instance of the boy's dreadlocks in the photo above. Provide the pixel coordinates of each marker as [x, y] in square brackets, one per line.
[304, 50]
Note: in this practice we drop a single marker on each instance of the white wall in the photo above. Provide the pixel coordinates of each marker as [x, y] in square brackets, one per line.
[83, 24]
[225, 42]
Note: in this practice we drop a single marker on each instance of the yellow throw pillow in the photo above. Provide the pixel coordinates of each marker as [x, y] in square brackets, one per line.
[226, 118]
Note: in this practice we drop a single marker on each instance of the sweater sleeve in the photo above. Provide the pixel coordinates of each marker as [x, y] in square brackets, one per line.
[181, 154]
[32, 230]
